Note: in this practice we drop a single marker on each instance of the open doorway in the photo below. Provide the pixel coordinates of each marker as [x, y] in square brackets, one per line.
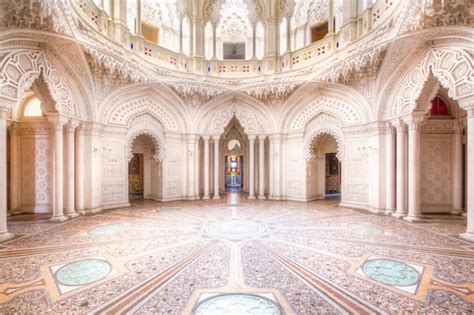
[233, 172]
[324, 169]
[135, 177]
[144, 170]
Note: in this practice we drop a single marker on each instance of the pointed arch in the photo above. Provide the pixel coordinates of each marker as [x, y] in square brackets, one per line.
[452, 69]
[21, 68]
[253, 115]
[160, 101]
[312, 99]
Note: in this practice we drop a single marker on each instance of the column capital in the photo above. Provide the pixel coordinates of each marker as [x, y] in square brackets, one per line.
[56, 120]
[399, 125]
[13, 128]
[415, 120]
[216, 137]
[72, 125]
[262, 137]
[206, 137]
[4, 111]
[252, 137]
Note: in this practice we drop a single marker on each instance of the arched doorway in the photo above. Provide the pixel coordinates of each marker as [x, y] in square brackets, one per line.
[234, 148]
[144, 170]
[324, 168]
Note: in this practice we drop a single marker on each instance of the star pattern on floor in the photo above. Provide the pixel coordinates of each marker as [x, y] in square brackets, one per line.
[238, 256]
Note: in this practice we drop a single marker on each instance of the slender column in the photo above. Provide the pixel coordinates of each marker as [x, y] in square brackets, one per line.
[414, 201]
[254, 48]
[214, 41]
[70, 159]
[331, 17]
[14, 166]
[305, 35]
[401, 168]
[216, 166]
[58, 211]
[390, 207]
[457, 171]
[138, 18]
[288, 34]
[469, 234]
[80, 170]
[206, 167]
[261, 167]
[4, 235]
[251, 167]
[196, 168]
[180, 45]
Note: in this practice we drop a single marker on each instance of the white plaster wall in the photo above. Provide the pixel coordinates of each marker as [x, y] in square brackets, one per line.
[172, 168]
[114, 172]
[355, 167]
[295, 170]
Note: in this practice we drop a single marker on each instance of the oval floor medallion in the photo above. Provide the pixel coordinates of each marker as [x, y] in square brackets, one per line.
[237, 304]
[105, 229]
[83, 272]
[391, 272]
[365, 229]
[235, 229]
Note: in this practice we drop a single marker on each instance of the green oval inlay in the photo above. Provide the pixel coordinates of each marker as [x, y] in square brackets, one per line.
[391, 272]
[365, 229]
[237, 304]
[83, 272]
[105, 229]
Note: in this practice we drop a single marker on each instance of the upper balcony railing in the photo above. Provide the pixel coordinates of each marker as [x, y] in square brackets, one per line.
[98, 20]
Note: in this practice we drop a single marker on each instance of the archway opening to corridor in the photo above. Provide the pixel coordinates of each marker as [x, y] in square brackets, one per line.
[234, 147]
[324, 169]
[144, 170]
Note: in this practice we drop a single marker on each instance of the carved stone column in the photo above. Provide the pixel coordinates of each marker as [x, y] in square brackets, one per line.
[14, 167]
[390, 167]
[288, 34]
[180, 44]
[139, 18]
[206, 167]
[4, 235]
[261, 167]
[216, 167]
[70, 165]
[469, 234]
[79, 170]
[58, 123]
[401, 169]
[254, 48]
[457, 170]
[214, 41]
[414, 201]
[331, 17]
[251, 167]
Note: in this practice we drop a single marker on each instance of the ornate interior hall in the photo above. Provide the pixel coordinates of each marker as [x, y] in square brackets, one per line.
[236, 156]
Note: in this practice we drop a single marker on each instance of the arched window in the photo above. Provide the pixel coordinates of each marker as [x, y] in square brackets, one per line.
[438, 107]
[33, 108]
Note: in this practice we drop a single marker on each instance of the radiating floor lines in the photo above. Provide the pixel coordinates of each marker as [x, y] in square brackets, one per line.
[265, 256]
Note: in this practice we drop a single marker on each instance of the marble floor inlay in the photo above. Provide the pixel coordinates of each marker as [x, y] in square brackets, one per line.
[236, 256]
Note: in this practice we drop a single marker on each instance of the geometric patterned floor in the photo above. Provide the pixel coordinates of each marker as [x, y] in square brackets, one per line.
[236, 256]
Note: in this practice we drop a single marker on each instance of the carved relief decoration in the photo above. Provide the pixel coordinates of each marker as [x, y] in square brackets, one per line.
[21, 68]
[453, 69]
[146, 125]
[323, 124]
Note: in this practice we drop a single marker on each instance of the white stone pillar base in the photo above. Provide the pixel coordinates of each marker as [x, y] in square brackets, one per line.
[58, 219]
[467, 236]
[6, 236]
[413, 219]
